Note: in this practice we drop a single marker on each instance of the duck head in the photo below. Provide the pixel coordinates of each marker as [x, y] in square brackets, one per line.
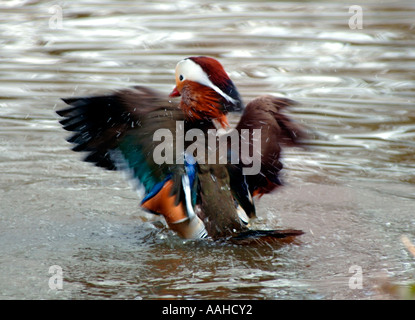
[206, 90]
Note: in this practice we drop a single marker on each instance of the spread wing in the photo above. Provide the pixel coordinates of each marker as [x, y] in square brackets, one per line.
[277, 130]
[116, 131]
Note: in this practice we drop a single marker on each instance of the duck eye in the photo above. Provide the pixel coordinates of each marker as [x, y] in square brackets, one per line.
[181, 77]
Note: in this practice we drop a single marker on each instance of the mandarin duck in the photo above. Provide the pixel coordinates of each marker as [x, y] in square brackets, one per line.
[200, 192]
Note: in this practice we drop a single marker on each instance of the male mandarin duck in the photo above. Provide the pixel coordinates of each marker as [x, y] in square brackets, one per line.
[198, 199]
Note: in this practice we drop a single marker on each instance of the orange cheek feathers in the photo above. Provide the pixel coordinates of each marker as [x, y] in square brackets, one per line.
[223, 120]
[200, 102]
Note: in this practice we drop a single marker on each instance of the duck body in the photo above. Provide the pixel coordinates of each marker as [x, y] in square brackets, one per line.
[159, 143]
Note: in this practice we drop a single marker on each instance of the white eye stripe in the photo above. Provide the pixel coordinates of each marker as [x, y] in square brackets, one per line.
[190, 70]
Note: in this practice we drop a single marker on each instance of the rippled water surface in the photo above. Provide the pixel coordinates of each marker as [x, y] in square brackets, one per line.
[352, 190]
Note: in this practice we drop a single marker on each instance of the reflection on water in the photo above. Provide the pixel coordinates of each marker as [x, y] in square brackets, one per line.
[351, 189]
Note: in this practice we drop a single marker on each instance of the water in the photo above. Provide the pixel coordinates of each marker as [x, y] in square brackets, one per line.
[351, 190]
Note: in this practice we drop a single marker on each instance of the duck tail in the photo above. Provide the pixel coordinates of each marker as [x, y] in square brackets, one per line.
[265, 236]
